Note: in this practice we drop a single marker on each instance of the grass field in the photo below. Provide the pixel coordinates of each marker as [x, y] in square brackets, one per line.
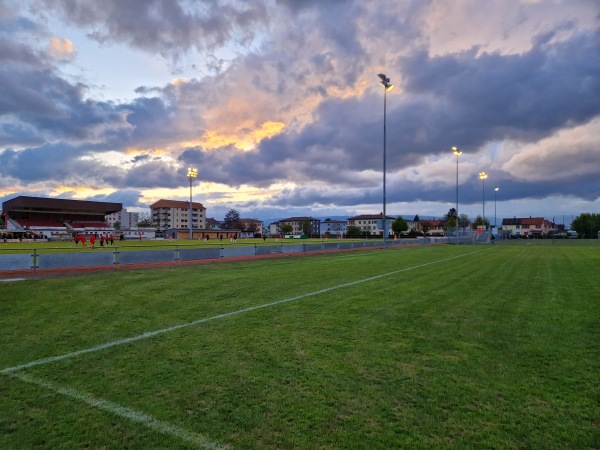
[422, 347]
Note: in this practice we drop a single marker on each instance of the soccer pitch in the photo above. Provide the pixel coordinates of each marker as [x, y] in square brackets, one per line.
[422, 347]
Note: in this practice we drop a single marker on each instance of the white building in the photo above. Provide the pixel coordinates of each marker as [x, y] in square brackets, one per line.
[333, 227]
[126, 219]
[371, 223]
[174, 214]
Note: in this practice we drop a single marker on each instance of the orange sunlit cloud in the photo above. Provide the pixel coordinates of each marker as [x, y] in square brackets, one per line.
[226, 193]
[245, 140]
[60, 49]
[158, 151]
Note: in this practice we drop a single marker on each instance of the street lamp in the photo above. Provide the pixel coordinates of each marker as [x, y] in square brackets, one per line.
[191, 174]
[495, 216]
[483, 176]
[457, 152]
[385, 81]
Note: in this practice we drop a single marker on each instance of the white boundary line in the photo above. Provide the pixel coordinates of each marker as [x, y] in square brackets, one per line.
[144, 419]
[150, 334]
[197, 440]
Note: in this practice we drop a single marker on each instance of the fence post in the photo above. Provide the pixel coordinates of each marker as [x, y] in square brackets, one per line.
[177, 258]
[116, 257]
[34, 260]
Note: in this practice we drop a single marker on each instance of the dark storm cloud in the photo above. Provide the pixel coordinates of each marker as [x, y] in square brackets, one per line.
[309, 74]
[297, 5]
[523, 97]
[465, 99]
[37, 105]
[153, 174]
[56, 162]
[15, 53]
[164, 26]
[150, 120]
[128, 197]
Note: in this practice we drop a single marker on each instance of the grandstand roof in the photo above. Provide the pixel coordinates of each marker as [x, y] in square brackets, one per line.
[41, 204]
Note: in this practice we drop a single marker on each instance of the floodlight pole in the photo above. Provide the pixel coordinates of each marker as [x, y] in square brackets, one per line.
[495, 215]
[385, 81]
[483, 176]
[191, 174]
[457, 152]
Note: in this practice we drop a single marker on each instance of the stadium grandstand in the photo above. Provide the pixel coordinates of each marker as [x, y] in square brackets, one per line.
[56, 219]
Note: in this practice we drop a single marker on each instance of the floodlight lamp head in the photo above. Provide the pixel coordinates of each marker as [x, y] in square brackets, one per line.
[382, 76]
[192, 173]
[456, 151]
[482, 175]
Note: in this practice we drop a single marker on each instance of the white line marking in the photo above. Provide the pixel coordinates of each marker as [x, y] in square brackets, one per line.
[218, 316]
[126, 413]
[7, 280]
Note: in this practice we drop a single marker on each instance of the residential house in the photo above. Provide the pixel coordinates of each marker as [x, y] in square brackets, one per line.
[251, 227]
[522, 226]
[213, 224]
[436, 227]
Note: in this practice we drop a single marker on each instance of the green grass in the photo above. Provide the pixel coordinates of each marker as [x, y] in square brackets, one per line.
[454, 347]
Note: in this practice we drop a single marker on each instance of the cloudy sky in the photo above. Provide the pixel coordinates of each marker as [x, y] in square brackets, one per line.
[278, 104]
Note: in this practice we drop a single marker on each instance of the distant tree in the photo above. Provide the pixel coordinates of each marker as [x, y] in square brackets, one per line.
[416, 219]
[463, 220]
[287, 229]
[144, 220]
[450, 223]
[425, 226]
[117, 225]
[399, 226]
[232, 219]
[450, 214]
[450, 219]
[353, 231]
[306, 227]
[480, 222]
[587, 225]
[252, 227]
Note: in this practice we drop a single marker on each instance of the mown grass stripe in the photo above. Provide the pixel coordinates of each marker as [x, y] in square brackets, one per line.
[150, 334]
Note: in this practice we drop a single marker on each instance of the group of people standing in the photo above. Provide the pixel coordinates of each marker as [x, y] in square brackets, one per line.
[103, 238]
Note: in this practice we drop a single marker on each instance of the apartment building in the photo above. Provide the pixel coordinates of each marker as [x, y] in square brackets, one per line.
[371, 223]
[126, 219]
[174, 214]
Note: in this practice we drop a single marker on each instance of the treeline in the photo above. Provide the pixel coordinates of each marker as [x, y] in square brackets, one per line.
[587, 225]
